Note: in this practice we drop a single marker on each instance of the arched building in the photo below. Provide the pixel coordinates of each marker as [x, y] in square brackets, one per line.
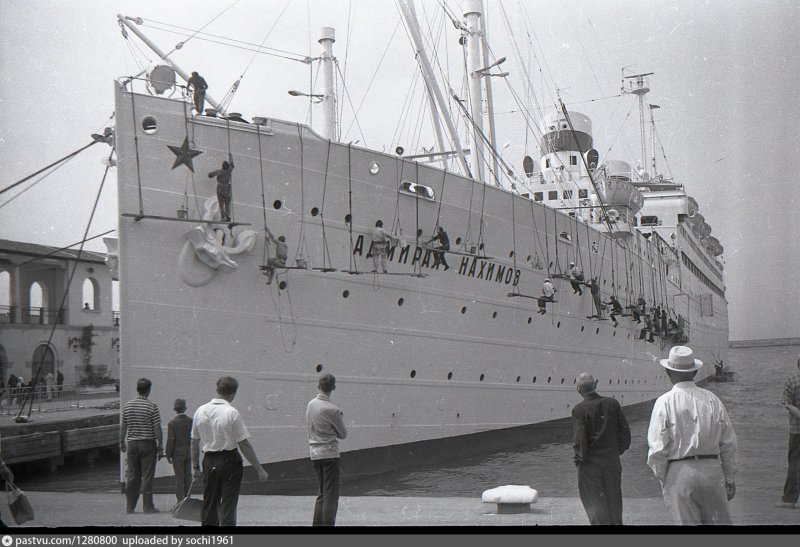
[37, 299]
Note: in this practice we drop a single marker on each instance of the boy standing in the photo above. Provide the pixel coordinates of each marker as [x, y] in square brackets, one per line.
[179, 433]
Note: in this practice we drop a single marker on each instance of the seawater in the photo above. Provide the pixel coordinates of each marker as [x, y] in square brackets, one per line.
[753, 402]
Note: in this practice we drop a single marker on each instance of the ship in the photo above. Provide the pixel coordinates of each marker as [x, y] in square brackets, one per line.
[431, 352]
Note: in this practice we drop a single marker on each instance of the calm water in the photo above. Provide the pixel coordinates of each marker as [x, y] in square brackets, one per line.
[753, 402]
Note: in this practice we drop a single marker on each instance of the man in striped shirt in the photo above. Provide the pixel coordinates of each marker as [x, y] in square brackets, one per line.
[141, 428]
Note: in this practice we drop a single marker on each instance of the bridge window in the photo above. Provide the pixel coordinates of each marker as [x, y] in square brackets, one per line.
[552, 194]
[567, 194]
[414, 189]
[573, 160]
[538, 196]
[650, 221]
[583, 193]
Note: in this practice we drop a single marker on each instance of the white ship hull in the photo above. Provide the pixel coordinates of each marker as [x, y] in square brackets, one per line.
[416, 358]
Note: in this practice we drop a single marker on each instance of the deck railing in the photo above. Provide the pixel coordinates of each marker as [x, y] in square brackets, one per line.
[42, 316]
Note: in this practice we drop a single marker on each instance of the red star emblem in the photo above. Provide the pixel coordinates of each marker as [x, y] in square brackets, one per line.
[184, 154]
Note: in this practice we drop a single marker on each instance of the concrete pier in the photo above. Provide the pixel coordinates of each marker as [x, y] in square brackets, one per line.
[108, 510]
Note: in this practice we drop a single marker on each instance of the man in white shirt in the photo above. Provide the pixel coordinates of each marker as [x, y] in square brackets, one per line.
[692, 446]
[219, 430]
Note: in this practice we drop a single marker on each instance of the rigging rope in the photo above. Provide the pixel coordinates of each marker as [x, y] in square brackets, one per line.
[35, 379]
[67, 157]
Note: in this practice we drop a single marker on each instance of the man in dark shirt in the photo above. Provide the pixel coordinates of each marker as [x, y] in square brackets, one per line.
[601, 436]
[444, 245]
[179, 441]
[141, 427]
[224, 189]
[199, 86]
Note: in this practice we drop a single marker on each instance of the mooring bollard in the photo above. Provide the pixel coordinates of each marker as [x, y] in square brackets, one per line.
[512, 498]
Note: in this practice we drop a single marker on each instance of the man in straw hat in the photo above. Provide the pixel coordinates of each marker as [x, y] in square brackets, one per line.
[692, 446]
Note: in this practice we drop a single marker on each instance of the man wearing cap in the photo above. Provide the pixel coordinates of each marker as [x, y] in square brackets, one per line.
[548, 293]
[602, 434]
[791, 402]
[692, 446]
[575, 278]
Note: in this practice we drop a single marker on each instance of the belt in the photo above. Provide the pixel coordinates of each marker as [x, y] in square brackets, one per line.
[698, 457]
[222, 451]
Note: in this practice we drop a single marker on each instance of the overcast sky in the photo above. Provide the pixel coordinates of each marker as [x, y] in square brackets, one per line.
[725, 78]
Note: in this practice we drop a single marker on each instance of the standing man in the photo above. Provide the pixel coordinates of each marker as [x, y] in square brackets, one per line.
[141, 428]
[219, 430]
[444, 245]
[602, 434]
[791, 402]
[380, 244]
[198, 86]
[179, 440]
[692, 446]
[325, 425]
[224, 188]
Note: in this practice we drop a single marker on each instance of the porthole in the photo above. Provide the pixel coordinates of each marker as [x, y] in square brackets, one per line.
[480, 246]
[626, 382]
[558, 325]
[529, 320]
[597, 330]
[374, 167]
[617, 380]
[574, 380]
[549, 378]
[511, 254]
[463, 310]
[528, 259]
[562, 380]
[413, 373]
[458, 241]
[400, 302]
[449, 375]
[519, 378]
[419, 232]
[314, 211]
[582, 327]
[282, 285]
[609, 381]
[614, 333]
[277, 204]
[319, 367]
[534, 379]
[345, 294]
[551, 263]
[494, 315]
[482, 377]
[347, 218]
[149, 125]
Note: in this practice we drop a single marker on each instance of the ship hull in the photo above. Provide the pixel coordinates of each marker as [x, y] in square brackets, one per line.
[421, 356]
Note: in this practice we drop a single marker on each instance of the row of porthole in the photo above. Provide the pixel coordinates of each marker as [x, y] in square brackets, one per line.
[482, 377]
[413, 374]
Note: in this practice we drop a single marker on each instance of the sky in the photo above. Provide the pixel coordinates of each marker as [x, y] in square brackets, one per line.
[724, 77]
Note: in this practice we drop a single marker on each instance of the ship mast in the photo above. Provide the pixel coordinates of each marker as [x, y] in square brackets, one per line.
[327, 37]
[409, 14]
[640, 91]
[472, 13]
[183, 74]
